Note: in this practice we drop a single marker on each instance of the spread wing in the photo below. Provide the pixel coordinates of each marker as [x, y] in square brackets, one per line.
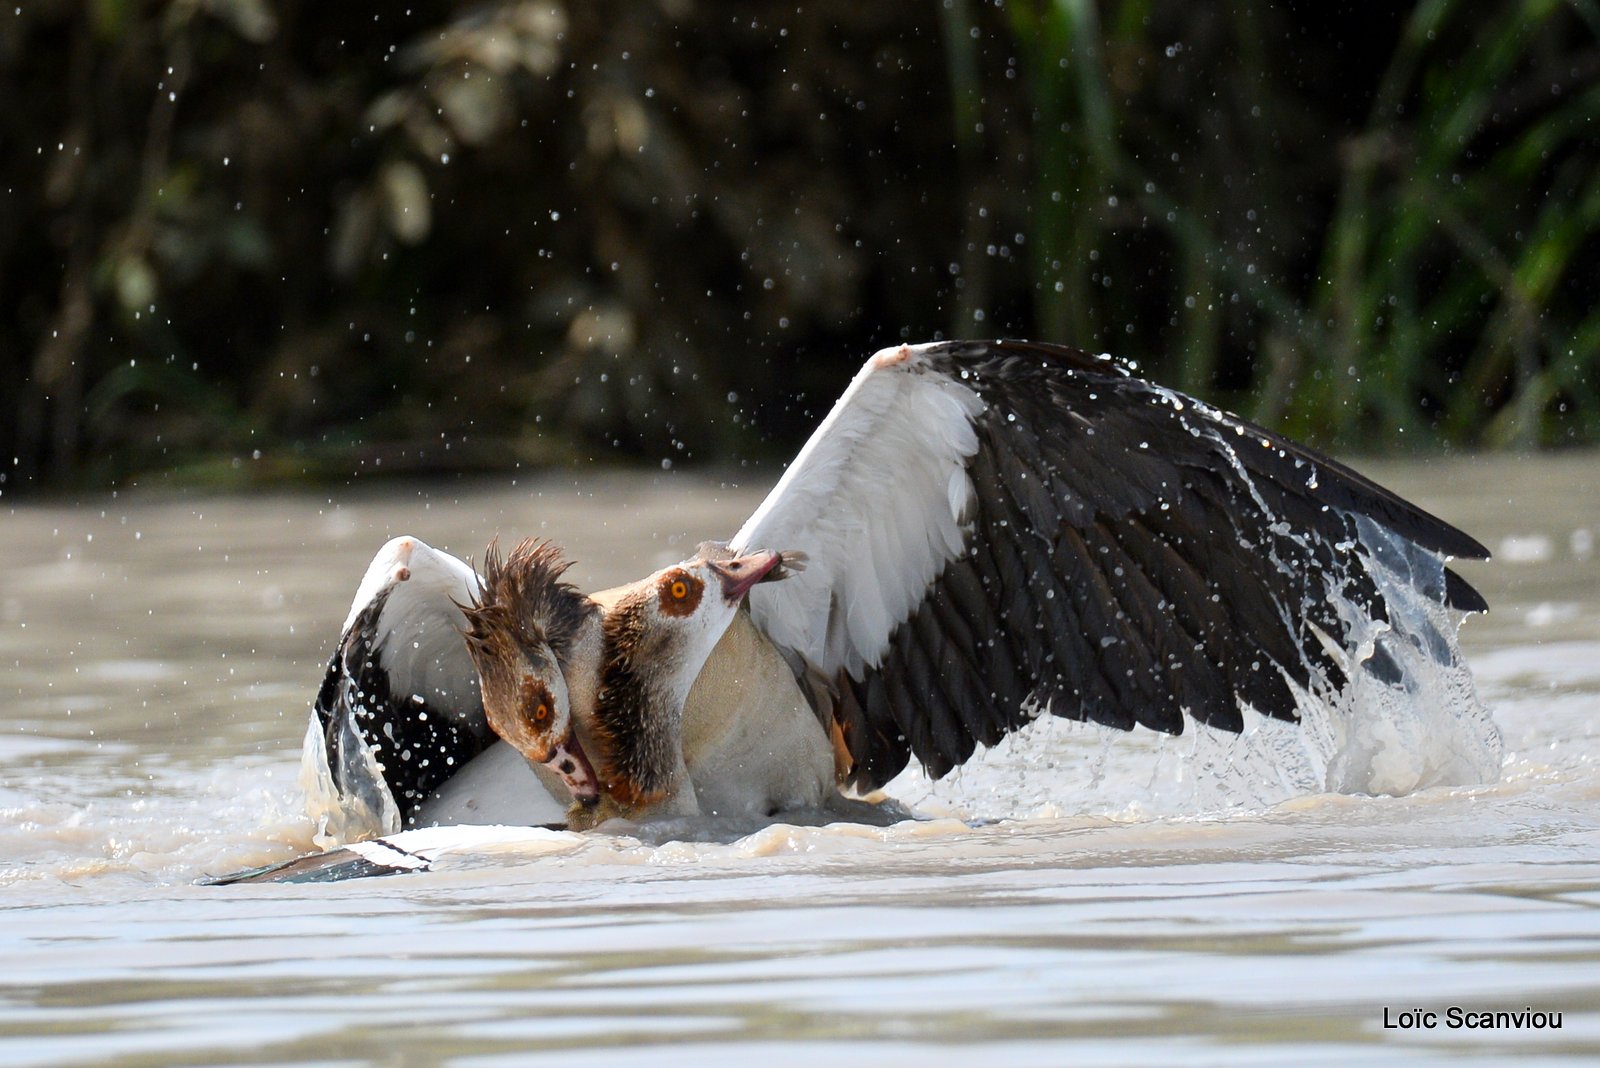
[398, 712]
[996, 529]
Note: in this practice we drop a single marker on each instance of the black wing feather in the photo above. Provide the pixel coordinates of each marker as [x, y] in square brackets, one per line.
[417, 746]
[1134, 557]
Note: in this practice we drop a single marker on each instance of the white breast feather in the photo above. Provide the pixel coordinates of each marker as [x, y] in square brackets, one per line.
[877, 499]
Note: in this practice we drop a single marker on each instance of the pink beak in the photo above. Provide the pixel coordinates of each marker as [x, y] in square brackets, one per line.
[741, 573]
[569, 761]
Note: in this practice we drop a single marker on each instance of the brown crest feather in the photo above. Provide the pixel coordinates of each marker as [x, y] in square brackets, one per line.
[523, 599]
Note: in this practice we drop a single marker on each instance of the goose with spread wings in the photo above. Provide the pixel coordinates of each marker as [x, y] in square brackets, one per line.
[992, 531]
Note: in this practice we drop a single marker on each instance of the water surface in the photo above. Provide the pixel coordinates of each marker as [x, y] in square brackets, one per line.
[160, 653]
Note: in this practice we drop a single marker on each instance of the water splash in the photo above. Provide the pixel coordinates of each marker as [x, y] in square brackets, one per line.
[366, 809]
[1422, 724]
[1407, 717]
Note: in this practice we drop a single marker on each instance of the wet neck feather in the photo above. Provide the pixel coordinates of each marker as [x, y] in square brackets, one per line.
[638, 713]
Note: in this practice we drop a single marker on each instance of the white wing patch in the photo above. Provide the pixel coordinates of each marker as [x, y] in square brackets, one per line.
[420, 625]
[424, 661]
[879, 500]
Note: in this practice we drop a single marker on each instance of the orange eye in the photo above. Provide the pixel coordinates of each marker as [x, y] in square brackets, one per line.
[541, 713]
[678, 593]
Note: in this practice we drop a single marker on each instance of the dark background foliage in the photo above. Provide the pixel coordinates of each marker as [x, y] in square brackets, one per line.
[248, 239]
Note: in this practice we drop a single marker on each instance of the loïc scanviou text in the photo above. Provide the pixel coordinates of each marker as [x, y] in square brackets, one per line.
[1457, 1018]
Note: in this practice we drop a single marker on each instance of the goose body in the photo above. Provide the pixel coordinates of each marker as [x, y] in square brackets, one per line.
[751, 744]
[995, 530]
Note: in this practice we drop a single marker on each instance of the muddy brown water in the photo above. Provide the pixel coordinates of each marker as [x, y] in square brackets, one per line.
[159, 654]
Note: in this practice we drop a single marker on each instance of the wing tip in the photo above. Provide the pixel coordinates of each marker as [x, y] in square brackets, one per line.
[1460, 594]
[334, 866]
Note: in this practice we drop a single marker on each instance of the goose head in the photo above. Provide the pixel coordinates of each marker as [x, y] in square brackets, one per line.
[522, 625]
[657, 636]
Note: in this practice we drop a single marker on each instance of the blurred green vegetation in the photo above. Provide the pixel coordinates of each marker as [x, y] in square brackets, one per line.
[246, 239]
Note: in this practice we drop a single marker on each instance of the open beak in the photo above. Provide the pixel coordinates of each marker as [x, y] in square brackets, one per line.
[569, 761]
[742, 572]
[790, 562]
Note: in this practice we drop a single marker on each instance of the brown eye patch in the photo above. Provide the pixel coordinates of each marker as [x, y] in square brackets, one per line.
[679, 593]
[537, 704]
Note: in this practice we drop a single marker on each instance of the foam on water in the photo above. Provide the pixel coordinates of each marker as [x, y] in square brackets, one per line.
[181, 823]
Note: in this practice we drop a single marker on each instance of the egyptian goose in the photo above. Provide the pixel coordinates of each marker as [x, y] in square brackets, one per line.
[535, 642]
[994, 530]
[623, 672]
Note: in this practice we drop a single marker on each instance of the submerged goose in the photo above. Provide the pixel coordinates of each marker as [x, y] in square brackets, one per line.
[994, 530]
